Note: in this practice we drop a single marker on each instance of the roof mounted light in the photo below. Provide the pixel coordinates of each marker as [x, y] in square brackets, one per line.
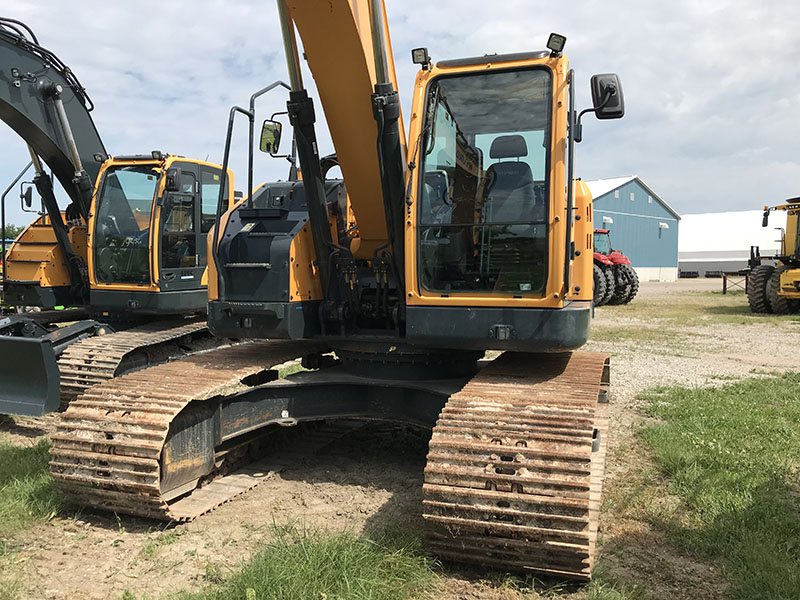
[420, 56]
[156, 154]
[555, 43]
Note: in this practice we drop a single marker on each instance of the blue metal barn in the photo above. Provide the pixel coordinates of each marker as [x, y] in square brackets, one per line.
[642, 225]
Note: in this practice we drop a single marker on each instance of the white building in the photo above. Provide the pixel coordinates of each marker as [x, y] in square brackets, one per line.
[720, 242]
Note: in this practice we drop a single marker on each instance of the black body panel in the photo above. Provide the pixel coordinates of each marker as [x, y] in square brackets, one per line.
[488, 328]
[33, 294]
[177, 302]
[264, 320]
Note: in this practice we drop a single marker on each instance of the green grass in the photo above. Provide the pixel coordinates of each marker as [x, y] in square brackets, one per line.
[634, 333]
[27, 494]
[696, 308]
[152, 546]
[303, 565]
[731, 458]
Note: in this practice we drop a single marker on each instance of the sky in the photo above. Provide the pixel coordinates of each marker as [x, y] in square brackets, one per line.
[712, 88]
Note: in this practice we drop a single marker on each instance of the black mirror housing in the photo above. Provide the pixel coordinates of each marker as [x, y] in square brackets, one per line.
[270, 137]
[173, 183]
[607, 96]
[765, 220]
[27, 196]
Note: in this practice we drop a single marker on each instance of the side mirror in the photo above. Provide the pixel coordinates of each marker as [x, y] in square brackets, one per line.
[607, 96]
[173, 183]
[765, 220]
[27, 196]
[270, 137]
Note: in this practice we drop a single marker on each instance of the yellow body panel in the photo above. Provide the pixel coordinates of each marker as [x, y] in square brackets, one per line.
[789, 244]
[581, 269]
[35, 255]
[583, 234]
[338, 46]
[790, 283]
[304, 281]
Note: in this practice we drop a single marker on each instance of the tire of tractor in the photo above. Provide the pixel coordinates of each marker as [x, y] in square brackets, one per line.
[599, 286]
[780, 305]
[608, 272]
[620, 291]
[757, 289]
[634, 285]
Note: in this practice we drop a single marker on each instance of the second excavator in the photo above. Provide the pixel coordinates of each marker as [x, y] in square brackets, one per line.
[128, 255]
[470, 235]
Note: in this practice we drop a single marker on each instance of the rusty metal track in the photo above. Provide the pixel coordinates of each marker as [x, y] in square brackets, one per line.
[512, 480]
[108, 448]
[100, 358]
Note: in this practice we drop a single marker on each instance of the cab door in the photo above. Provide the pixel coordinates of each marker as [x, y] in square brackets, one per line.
[181, 256]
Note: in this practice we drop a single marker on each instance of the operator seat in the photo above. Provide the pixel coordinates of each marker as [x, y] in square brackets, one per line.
[509, 190]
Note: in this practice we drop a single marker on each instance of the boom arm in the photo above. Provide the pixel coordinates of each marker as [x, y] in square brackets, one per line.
[38, 93]
[338, 44]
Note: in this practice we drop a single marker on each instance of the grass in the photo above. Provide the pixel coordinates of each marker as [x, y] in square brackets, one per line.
[27, 494]
[152, 547]
[634, 333]
[27, 497]
[730, 457]
[302, 565]
[696, 308]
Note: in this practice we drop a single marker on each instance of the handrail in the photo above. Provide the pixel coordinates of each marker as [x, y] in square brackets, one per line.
[3, 217]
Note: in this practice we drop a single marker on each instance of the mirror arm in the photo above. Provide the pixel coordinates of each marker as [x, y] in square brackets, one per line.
[610, 92]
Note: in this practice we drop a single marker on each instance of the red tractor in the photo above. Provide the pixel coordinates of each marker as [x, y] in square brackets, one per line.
[615, 281]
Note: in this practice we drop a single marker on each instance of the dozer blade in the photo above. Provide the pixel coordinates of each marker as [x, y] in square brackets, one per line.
[29, 380]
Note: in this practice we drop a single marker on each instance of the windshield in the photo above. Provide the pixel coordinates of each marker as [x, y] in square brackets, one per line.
[122, 224]
[602, 243]
[483, 196]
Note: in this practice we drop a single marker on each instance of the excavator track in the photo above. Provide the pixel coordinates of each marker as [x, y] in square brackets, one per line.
[110, 442]
[97, 359]
[515, 466]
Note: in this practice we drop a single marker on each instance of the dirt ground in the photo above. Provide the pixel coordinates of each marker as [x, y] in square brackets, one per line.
[372, 480]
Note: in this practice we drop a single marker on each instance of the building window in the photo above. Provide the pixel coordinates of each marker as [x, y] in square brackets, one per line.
[616, 193]
[632, 197]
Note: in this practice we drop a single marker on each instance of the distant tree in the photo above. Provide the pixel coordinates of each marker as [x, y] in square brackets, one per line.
[12, 231]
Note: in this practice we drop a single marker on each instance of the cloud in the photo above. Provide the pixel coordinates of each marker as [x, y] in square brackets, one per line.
[712, 89]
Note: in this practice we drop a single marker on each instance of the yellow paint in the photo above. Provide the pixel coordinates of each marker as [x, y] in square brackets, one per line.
[581, 275]
[790, 281]
[583, 228]
[36, 256]
[338, 45]
[304, 280]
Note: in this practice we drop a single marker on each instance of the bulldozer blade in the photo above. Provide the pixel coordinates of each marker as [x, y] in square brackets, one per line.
[29, 379]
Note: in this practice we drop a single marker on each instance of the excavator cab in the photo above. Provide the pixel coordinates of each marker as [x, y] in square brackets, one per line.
[147, 234]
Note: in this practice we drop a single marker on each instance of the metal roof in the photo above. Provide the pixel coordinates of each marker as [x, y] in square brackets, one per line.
[601, 187]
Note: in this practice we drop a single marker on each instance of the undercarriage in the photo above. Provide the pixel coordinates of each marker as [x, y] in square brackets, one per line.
[514, 472]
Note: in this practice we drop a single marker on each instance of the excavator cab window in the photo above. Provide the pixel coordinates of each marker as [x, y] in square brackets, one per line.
[122, 224]
[483, 197]
[187, 214]
[179, 244]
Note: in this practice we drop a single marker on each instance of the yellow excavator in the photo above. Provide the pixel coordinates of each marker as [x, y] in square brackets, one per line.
[128, 255]
[390, 284]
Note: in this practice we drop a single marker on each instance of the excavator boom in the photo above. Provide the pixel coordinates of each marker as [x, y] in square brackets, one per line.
[37, 92]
